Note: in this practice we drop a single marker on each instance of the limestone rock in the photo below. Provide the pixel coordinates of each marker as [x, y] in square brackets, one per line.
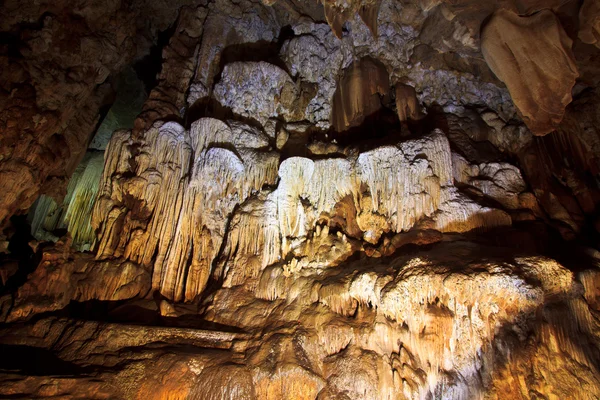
[358, 94]
[589, 16]
[61, 278]
[228, 26]
[392, 187]
[167, 99]
[259, 91]
[532, 56]
[56, 66]
[419, 339]
[316, 57]
[338, 12]
[502, 182]
[269, 228]
[172, 213]
[407, 105]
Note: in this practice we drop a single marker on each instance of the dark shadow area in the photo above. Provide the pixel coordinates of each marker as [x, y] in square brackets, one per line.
[21, 260]
[10, 45]
[11, 42]
[37, 361]
[208, 107]
[112, 311]
[381, 128]
[257, 51]
[148, 68]
[296, 145]
[133, 312]
[102, 113]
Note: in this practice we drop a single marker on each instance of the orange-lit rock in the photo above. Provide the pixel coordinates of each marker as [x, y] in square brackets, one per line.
[532, 56]
[298, 216]
[407, 104]
[358, 94]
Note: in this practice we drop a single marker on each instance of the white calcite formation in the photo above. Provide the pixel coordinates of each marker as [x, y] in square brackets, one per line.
[499, 181]
[344, 195]
[170, 212]
[435, 323]
[393, 188]
[74, 214]
[191, 189]
[257, 90]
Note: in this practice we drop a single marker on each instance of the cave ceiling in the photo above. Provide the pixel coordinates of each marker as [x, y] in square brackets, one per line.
[289, 199]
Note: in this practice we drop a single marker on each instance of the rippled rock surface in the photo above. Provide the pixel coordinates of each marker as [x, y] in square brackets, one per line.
[299, 200]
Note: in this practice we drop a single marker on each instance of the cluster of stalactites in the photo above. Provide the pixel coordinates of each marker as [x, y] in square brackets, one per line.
[171, 202]
[172, 213]
[446, 319]
[46, 216]
[393, 188]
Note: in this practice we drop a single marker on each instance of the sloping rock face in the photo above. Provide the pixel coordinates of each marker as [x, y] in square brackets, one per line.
[532, 55]
[336, 200]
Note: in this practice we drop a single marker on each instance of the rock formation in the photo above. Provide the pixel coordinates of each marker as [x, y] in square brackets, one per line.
[299, 200]
[57, 62]
[532, 55]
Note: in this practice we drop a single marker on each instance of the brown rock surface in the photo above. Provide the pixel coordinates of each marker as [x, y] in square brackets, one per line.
[358, 94]
[63, 276]
[296, 215]
[55, 75]
[589, 16]
[532, 56]
[367, 330]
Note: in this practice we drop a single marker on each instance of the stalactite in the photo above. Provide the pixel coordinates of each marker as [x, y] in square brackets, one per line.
[74, 213]
[404, 183]
[184, 189]
[293, 238]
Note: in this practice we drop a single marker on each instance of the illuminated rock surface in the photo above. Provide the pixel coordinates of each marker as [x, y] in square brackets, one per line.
[532, 55]
[299, 200]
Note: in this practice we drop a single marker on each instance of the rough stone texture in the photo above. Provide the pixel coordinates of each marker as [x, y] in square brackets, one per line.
[167, 207]
[244, 248]
[589, 17]
[316, 57]
[358, 94]
[162, 217]
[533, 56]
[369, 330]
[63, 277]
[56, 66]
[167, 100]
[259, 91]
[229, 26]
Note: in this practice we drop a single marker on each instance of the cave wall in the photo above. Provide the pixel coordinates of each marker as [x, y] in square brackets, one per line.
[58, 61]
[346, 200]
